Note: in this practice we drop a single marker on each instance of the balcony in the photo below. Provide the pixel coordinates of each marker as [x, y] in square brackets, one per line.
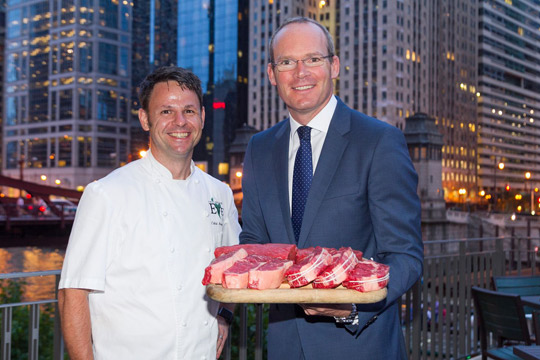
[437, 314]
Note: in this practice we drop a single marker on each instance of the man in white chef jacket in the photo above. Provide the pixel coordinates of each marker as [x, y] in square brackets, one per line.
[131, 281]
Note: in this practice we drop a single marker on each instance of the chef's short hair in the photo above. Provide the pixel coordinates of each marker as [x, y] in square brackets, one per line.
[303, 20]
[186, 79]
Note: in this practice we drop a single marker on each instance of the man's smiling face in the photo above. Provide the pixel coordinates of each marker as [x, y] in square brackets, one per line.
[175, 120]
[305, 90]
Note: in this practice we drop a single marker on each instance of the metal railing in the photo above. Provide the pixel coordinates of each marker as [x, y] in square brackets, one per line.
[437, 312]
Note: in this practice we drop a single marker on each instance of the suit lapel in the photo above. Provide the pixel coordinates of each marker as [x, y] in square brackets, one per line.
[281, 167]
[332, 151]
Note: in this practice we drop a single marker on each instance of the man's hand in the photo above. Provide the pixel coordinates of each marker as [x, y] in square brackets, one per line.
[337, 310]
[223, 331]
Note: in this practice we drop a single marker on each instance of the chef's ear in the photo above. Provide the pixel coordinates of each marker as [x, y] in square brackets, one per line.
[143, 119]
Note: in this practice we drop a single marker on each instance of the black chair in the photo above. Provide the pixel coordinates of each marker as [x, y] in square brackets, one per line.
[503, 316]
[520, 285]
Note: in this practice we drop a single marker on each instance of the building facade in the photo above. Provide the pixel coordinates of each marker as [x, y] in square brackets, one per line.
[66, 90]
[509, 102]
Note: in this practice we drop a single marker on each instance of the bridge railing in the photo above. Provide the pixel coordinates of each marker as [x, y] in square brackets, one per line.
[437, 313]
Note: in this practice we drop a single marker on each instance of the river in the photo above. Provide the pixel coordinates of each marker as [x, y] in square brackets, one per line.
[32, 258]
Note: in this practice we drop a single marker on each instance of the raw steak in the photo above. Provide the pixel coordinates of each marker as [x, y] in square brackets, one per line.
[302, 253]
[278, 251]
[214, 271]
[309, 268]
[236, 277]
[368, 275]
[342, 263]
[269, 275]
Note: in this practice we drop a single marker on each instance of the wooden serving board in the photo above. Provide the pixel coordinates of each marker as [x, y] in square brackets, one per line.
[286, 295]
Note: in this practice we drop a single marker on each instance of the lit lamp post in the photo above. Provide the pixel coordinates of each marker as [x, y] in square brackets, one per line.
[500, 165]
[527, 178]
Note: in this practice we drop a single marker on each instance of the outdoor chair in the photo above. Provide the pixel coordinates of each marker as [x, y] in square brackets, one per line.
[520, 285]
[501, 315]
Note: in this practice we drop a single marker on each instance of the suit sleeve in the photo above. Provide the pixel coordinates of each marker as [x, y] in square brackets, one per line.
[253, 225]
[395, 212]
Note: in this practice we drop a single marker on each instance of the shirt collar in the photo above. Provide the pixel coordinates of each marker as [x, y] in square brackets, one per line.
[321, 121]
[158, 170]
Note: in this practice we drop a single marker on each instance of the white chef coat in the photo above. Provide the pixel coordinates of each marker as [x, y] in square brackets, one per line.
[141, 242]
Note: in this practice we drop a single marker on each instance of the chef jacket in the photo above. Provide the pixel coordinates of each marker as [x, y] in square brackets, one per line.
[140, 242]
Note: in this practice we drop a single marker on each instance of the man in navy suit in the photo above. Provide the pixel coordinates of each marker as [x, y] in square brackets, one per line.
[361, 193]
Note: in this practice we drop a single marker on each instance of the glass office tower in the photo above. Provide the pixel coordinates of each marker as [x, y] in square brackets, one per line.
[66, 89]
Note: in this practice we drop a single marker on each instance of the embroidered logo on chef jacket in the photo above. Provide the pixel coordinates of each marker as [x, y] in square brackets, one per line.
[216, 208]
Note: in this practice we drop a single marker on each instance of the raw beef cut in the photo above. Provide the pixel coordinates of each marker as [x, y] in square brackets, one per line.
[269, 275]
[368, 275]
[278, 251]
[302, 253]
[309, 268]
[214, 271]
[343, 261]
[236, 277]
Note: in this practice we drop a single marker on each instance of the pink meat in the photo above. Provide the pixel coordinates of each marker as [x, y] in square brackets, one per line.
[214, 271]
[368, 275]
[342, 263]
[269, 275]
[309, 268]
[236, 277]
[278, 251]
[301, 254]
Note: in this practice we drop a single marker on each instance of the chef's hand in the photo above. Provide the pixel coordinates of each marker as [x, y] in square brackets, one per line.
[337, 310]
[223, 331]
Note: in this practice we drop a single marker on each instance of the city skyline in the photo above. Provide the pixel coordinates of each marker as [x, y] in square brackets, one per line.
[471, 65]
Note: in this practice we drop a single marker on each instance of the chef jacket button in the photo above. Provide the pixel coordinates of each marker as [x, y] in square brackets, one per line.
[205, 323]
[179, 287]
[165, 213]
[207, 249]
[196, 181]
[206, 213]
[203, 358]
[172, 249]
[184, 324]
[158, 181]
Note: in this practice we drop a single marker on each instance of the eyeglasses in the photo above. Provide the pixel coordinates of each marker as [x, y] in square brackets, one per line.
[290, 64]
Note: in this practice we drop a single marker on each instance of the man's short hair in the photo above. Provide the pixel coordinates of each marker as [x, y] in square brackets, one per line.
[303, 20]
[186, 79]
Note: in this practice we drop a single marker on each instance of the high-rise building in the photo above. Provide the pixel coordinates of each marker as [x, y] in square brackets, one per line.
[509, 103]
[210, 38]
[66, 89]
[452, 91]
[397, 58]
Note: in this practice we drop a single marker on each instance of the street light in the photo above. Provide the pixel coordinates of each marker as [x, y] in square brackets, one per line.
[500, 165]
[528, 177]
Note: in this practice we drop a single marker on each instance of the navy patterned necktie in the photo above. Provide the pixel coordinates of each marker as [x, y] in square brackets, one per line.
[303, 173]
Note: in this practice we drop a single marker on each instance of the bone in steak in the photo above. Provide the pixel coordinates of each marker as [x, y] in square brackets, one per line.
[278, 251]
[368, 275]
[302, 253]
[236, 277]
[214, 271]
[343, 261]
[309, 268]
[269, 275]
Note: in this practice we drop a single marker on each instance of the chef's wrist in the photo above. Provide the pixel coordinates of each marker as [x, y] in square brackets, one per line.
[226, 314]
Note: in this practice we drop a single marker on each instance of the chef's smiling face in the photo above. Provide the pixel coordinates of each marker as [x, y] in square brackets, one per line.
[175, 119]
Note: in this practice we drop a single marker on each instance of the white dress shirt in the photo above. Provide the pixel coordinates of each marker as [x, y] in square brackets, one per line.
[319, 128]
[140, 242]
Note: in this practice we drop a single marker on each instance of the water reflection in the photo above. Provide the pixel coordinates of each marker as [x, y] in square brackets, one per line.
[28, 259]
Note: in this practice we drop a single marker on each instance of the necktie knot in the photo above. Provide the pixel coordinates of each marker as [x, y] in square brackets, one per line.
[304, 133]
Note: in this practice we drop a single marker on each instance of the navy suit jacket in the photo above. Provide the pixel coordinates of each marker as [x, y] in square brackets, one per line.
[363, 195]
